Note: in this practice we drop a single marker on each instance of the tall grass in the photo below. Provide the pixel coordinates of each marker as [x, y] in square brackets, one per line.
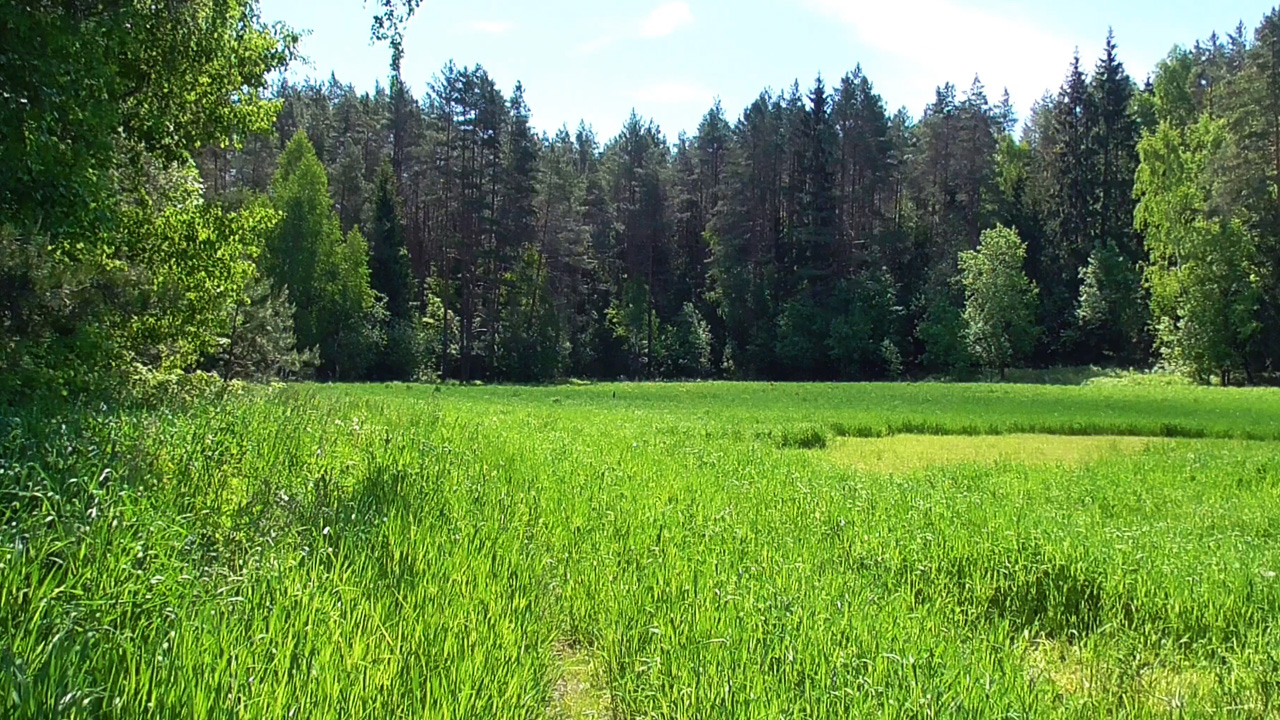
[406, 552]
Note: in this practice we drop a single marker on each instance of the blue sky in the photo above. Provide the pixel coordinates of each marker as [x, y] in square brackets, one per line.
[670, 59]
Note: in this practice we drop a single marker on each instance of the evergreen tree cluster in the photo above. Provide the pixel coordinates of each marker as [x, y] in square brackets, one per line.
[817, 237]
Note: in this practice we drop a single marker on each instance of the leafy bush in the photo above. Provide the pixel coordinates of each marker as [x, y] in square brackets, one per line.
[684, 347]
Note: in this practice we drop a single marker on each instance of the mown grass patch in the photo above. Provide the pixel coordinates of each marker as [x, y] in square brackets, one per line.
[1085, 679]
[904, 453]
[580, 690]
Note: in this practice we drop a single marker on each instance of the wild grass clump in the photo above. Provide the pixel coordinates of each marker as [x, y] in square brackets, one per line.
[682, 551]
[805, 436]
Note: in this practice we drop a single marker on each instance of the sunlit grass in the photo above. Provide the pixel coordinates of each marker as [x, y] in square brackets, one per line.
[643, 552]
[901, 453]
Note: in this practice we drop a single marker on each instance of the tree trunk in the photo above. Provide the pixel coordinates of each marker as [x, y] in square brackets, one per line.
[231, 344]
[444, 304]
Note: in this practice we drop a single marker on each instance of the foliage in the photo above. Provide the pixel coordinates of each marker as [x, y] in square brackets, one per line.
[113, 258]
[437, 331]
[864, 317]
[402, 355]
[54, 315]
[801, 337]
[165, 304]
[1000, 302]
[796, 232]
[390, 273]
[941, 332]
[891, 356]
[193, 264]
[631, 319]
[79, 78]
[1203, 275]
[325, 271]
[533, 348]
[260, 344]
[684, 347]
[1112, 312]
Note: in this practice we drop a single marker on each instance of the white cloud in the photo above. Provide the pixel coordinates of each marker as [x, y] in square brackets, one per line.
[937, 41]
[492, 27]
[595, 45]
[666, 19]
[671, 93]
[663, 21]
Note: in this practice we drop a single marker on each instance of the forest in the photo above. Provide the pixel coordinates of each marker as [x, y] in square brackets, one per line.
[452, 509]
[171, 204]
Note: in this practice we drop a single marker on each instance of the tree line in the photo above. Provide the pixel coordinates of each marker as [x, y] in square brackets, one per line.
[308, 229]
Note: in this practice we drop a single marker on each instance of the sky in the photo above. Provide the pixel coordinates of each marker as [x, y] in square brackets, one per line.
[669, 60]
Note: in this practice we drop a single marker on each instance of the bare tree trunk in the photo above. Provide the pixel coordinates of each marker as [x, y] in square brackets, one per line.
[228, 365]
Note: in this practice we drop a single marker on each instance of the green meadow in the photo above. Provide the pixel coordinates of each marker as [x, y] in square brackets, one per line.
[646, 551]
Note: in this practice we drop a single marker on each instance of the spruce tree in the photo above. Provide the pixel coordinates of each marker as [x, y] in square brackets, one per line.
[391, 277]
[1110, 296]
[389, 272]
[1113, 146]
[1071, 183]
[819, 258]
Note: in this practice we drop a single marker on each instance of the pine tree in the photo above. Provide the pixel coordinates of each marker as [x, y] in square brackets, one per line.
[260, 343]
[936, 180]
[517, 215]
[806, 235]
[979, 129]
[746, 240]
[863, 127]
[638, 163]
[711, 150]
[689, 218]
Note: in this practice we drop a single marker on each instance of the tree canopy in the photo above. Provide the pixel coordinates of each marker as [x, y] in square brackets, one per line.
[169, 206]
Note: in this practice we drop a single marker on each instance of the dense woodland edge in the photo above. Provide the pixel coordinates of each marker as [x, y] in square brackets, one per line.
[167, 207]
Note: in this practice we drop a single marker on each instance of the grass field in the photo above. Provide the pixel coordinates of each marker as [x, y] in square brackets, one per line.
[647, 551]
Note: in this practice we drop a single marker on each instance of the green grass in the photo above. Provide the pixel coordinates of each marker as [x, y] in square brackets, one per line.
[732, 410]
[633, 551]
